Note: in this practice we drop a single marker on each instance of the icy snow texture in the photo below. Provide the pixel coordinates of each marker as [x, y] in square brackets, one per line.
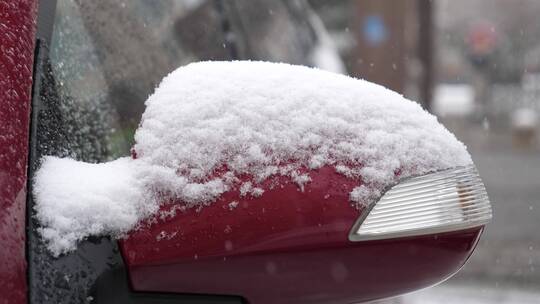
[210, 123]
[263, 119]
[77, 199]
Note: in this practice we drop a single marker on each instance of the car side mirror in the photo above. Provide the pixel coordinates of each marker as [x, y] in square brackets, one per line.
[275, 184]
[289, 246]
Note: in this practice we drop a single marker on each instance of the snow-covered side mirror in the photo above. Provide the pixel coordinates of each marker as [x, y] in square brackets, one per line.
[278, 184]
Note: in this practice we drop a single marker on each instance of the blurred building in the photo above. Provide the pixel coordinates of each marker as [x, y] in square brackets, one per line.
[386, 42]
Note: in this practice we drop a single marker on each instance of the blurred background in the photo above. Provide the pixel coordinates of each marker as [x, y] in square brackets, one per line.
[473, 63]
[476, 65]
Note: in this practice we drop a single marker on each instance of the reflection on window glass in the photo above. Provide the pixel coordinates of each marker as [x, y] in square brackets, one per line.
[107, 57]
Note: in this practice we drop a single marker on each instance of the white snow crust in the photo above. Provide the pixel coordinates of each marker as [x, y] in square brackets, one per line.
[75, 200]
[215, 126]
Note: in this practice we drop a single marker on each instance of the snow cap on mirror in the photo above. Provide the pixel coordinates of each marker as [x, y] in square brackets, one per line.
[209, 123]
[264, 119]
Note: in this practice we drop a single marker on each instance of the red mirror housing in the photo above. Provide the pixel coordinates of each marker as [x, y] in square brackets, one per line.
[287, 246]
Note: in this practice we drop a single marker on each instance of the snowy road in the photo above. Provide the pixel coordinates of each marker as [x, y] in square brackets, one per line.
[450, 294]
[509, 251]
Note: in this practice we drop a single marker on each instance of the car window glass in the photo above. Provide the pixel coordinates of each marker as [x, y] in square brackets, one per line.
[108, 57]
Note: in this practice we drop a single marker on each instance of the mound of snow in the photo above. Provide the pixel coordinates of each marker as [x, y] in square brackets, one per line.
[209, 123]
[76, 199]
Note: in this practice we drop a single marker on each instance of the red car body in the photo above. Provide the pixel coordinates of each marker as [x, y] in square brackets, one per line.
[17, 37]
[288, 246]
[255, 251]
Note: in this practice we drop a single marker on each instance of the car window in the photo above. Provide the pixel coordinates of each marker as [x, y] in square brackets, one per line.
[108, 57]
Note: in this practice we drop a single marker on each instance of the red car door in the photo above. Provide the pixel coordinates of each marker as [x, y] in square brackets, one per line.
[17, 30]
